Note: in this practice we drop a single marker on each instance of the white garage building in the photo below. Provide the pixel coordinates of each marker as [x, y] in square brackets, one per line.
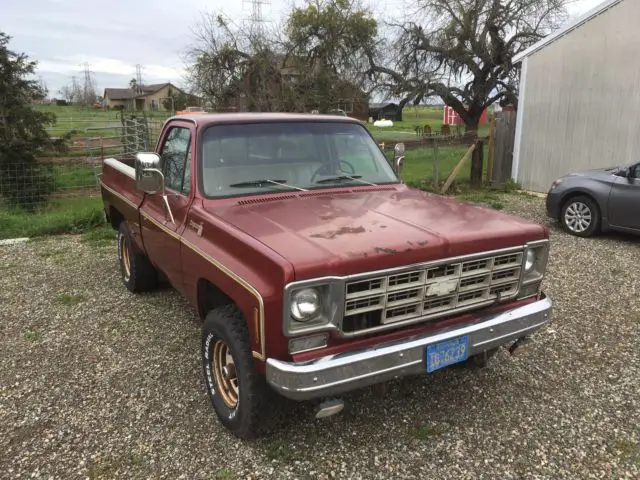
[579, 105]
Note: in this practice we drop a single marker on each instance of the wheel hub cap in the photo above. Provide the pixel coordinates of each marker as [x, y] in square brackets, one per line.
[578, 217]
[225, 373]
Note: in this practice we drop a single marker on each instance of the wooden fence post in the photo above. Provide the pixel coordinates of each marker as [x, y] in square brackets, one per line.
[492, 136]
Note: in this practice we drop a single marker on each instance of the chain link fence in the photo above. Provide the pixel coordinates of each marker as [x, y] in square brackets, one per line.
[72, 169]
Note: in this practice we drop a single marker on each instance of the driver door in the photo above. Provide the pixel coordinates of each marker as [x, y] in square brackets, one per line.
[624, 201]
[161, 234]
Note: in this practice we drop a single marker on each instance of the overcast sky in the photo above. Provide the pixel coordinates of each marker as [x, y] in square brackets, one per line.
[112, 37]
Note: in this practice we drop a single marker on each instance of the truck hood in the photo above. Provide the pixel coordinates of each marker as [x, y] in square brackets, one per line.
[341, 233]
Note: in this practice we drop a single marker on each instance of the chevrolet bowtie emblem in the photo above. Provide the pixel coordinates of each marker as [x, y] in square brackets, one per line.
[443, 288]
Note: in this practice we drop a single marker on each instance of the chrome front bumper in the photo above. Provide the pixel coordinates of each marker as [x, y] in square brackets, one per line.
[336, 374]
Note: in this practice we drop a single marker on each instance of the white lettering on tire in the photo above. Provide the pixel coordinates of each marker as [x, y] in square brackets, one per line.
[208, 365]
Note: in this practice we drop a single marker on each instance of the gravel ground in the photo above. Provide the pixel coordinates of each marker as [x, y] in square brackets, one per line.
[98, 383]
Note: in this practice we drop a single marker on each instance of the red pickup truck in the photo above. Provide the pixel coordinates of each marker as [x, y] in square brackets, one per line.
[316, 271]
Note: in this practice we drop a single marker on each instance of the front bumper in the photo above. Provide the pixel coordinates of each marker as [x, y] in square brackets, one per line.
[336, 374]
[553, 204]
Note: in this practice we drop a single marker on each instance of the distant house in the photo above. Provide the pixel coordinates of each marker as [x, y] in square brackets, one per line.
[141, 97]
[387, 111]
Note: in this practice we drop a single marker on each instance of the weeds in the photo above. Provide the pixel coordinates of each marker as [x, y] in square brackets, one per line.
[73, 215]
[69, 299]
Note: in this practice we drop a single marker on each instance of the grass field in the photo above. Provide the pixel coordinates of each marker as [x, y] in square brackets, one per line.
[100, 123]
[72, 215]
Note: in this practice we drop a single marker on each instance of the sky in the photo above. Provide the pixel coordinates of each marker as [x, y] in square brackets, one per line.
[112, 37]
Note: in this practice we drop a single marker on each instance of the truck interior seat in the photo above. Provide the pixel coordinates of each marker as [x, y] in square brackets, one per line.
[221, 169]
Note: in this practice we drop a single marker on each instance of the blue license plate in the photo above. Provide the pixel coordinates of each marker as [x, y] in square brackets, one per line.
[440, 355]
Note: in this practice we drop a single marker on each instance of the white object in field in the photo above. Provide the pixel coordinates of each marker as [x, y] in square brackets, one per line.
[13, 241]
[383, 123]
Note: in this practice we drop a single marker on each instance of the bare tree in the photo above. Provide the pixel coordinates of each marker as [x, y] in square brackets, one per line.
[228, 63]
[462, 51]
[311, 61]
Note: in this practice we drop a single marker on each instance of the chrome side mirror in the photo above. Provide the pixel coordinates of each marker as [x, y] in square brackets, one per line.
[149, 178]
[398, 157]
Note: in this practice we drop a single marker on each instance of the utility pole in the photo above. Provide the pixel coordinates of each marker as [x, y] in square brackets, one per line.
[256, 18]
[139, 78]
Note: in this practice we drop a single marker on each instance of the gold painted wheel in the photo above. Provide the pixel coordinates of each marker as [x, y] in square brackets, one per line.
[126, 258]
[225, 372]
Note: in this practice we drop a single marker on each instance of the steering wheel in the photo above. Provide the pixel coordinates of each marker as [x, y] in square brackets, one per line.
[324, 170]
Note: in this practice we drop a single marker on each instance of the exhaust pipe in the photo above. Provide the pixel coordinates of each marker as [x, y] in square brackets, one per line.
[328, 408]
[521, 346]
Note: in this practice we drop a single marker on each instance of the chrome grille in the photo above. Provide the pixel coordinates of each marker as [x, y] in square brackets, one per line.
[432, 291]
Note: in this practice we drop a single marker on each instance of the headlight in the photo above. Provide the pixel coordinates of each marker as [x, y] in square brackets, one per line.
[529, 260]
[535, 262]
[312, 306]
[305, 304]
[556, 183]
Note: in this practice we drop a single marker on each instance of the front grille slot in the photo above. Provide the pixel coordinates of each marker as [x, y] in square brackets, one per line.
[430, 292]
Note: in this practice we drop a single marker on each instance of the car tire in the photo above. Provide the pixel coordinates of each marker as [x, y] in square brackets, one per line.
[580, 216]
[136, 271]
[237, 392]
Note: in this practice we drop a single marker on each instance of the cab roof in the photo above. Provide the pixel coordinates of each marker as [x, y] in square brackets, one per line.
[202, 120]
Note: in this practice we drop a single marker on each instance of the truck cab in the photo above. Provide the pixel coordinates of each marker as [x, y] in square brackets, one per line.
[315, 269]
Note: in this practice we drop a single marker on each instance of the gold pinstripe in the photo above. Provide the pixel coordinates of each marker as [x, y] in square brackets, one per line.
[246, 285]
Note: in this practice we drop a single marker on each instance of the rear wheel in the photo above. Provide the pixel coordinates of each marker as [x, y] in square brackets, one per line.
[137, 272]
[580, 216]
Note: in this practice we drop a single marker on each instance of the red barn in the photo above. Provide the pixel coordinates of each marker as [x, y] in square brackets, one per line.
[450, 117]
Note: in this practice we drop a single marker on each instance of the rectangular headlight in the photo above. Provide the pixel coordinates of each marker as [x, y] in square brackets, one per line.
[534, 262]
[311, 306]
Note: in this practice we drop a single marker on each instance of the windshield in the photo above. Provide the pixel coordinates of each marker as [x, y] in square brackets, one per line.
[244, 159]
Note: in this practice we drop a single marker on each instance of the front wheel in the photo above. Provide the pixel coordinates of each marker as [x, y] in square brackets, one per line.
[580, 216]
[237, 392]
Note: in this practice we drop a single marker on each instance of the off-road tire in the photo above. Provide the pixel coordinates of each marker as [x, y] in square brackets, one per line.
[250, 414]
[138, 274]
[594, 226]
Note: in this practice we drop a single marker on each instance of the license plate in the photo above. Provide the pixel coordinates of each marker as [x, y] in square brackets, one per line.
[440, 355]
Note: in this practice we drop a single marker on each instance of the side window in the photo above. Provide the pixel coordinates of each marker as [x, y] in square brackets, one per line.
[174, 154]
[635, 171]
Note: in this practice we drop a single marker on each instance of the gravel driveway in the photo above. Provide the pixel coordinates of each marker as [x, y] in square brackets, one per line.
[98, 383]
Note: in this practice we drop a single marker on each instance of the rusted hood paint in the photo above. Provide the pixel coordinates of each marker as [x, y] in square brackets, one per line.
[345, 233]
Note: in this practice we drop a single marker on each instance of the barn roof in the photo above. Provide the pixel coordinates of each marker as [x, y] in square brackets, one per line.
[128, 93]
[568, 28]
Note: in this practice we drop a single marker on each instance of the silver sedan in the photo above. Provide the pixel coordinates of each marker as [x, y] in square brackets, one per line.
[587, 203]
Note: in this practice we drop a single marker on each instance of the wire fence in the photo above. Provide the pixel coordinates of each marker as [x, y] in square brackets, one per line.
[431, 158]
[71, 169]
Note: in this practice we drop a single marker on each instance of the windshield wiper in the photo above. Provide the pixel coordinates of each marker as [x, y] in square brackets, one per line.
[264, 183]
[355, 178]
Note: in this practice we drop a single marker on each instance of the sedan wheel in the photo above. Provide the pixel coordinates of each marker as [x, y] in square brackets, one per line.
[580, 216]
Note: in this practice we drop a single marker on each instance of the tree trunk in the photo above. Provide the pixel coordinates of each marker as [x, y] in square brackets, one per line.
[477, 163]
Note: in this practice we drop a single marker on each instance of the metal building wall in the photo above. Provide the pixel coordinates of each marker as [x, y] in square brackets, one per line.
[581, 106]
